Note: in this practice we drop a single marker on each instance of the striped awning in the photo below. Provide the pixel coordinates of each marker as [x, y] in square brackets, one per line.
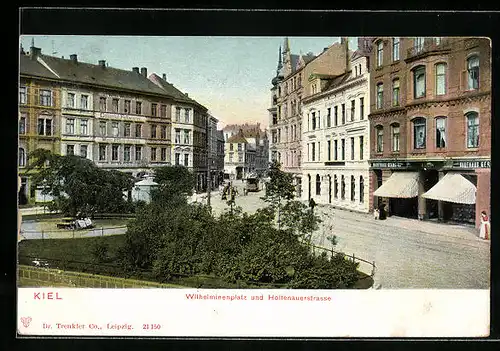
[453, 187]
[400, 185]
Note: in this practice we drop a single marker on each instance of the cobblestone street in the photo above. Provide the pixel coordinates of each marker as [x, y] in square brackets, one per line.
[407, 253]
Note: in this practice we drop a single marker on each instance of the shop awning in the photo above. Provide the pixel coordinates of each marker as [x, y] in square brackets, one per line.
[400, 185]
[453, 187]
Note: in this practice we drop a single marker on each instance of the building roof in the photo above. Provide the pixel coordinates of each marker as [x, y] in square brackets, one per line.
[28, 66]
[238, 138]
[146, 182]
[171, 90]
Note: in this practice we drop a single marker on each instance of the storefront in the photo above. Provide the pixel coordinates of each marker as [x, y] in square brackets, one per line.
[454, 190]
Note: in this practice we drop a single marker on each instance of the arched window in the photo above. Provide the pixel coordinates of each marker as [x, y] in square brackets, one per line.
[361, 189]
[395, 49]
[472, 129]
[379, 134]
[380, 95]
[441, 79]
[318, 184]
[22, 157]
[395, 92]
[473, 72]
[419, 133]
[440, 132]
[353, 188]
[419, 82]
[395, 137]
[380, 53]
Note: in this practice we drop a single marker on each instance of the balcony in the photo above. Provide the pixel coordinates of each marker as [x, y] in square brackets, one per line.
[428, 47]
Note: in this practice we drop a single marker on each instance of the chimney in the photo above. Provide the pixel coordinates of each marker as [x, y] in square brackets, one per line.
[102, 63]
[144, 71]
[135, 69]
[164, 76]
[187, 95]
[34, 52]
[73, 57]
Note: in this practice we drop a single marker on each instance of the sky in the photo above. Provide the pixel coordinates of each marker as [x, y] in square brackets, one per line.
[231, 76]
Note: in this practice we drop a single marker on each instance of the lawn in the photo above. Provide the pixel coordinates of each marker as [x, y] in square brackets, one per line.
[50, 224]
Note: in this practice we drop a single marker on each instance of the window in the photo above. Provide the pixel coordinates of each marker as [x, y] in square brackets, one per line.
[353, 111]
[84, 102]
[138, 130]
[329, 118]
[441, 132]
[114, 105]
[352, 148]
[395, 49]
[318, 184]
[440, 79]
[361, 147]
[70, 149]
[336, 115]
[126, 153]
[186, 115]
[70, 126]
[186, 137]
[437, 40]
[154, 110]
[45, 97]
[472, 130]
[23, 96]
[353, 188]
[126, 106]
[102, 104]
[319, 120]
[138, 153]
[313, 145]
[361, 108]
[22, 157]
[163, 154]
[342, 187]
[343, 113]
[71, 100]
[153, 131]
[419, 82]
[83, 150]
[419, 133]
[22, 125]
[126, 129]
[329, 151]
[102, 152]
[380, 53]
[356, 71]
[102, 128]
[231, 147]
[343, 149]
[114, 153]
[395, 137]
[231, 157]
[314, 121]
[163, 132]
[240, 147]
[163, 111]
[335, 187]
[473, 72]
[114, 129]
[335, 150]
[186, 160]
[84, 129]
[395, 92]
[177, 114]
[44, 126]
[379, 131]
[380, 95]
[138, 108]
[361, 189]
[418, 44]
[240, 158]
[177, 159]
[153, 154]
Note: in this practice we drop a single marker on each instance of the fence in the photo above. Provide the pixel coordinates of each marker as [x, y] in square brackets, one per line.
[48, 276]
[72, 233]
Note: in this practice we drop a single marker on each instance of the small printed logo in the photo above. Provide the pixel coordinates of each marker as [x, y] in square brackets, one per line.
[26, 321]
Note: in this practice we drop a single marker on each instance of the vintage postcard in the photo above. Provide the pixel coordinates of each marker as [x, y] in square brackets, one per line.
[217, 186]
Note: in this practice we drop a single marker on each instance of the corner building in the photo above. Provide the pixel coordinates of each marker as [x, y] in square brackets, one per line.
[430, 126]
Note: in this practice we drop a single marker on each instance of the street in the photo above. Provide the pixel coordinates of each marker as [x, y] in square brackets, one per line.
[407, 253]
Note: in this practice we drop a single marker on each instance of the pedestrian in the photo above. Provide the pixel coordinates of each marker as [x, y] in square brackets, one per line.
[484, 229]
[382, 213]
[376, 213]
[312, 204]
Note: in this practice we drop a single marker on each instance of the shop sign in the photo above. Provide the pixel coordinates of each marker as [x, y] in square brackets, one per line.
[390, 164]
[472, 164]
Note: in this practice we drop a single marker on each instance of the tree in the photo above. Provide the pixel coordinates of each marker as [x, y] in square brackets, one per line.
[300, 220]
[175, 183]
[279, 189]
[77, 185]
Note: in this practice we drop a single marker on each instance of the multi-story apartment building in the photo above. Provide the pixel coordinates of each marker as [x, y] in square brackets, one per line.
[215, 150]
[287, 93]
[39, 115]
[188, 133]
[220, 156]
[336, 135]
[239, 158]
[431, 117]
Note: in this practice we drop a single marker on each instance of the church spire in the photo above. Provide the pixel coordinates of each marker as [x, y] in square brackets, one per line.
[280, 64]
[286, 45]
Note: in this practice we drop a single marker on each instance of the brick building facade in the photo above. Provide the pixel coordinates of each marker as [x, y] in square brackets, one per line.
[431, 116]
